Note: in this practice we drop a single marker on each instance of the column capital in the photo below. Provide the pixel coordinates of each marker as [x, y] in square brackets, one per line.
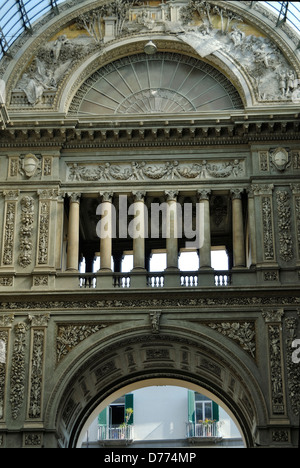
[203, 194]
[139, 195]
[236, 193]
[74, 197]
[107, 196]
[171, 195]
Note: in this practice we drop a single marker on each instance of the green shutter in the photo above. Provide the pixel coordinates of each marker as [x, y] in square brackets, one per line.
[191, 406]
[102, 418]
[215, 409]
[129, 404]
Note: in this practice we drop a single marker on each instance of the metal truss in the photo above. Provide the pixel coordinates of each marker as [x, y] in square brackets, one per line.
[25, 21]
[283, 13]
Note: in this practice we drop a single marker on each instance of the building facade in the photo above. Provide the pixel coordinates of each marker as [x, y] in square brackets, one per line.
[143, 127]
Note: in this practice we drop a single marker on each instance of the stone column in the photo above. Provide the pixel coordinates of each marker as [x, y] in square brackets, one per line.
[73, 233]
[239, 259]
[203, 228]
[172, 230]
[252, 226]
[140, 232]
[106, 232]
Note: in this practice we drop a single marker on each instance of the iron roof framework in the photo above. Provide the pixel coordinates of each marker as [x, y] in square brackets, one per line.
[18, 16]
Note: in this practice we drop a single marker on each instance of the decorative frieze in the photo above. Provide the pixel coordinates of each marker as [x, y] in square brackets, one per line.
[147, 170]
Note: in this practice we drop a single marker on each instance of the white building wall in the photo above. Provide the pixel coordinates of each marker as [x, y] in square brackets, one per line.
[160, 413]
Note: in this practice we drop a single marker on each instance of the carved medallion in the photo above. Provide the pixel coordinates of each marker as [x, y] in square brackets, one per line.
[30, 165]
[280, 159]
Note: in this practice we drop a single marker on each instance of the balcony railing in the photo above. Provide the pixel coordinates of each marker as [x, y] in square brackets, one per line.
[203, 430]
[115, 433]
[184, 279]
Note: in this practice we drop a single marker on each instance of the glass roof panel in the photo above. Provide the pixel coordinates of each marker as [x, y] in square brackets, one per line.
[18, 15]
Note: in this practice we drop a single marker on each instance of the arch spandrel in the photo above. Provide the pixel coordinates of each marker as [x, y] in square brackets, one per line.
[252, 55]
[105, 368]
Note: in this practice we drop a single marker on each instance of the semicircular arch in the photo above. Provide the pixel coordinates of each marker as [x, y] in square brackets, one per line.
[104, 369]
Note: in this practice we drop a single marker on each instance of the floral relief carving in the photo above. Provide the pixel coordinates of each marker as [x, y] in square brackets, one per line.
[268, 235]
[3, 356]
[70, 335]
[18, 371]
[275, 354]
[293, 369]
[241, 332]
[44, 232]
[36, 375]
[158, 171]
[27, 221]
[9, 227]
[284, 224]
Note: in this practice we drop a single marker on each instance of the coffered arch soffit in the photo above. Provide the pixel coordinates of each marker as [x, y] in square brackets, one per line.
[239, 42]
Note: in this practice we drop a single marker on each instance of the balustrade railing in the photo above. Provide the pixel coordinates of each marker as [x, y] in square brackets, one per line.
[121, 280]
[203, 429]
[189, 279]
[154, 280]
[223, 278]
[115, 433]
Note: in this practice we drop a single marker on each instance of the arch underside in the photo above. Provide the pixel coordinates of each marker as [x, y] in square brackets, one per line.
[167, 357]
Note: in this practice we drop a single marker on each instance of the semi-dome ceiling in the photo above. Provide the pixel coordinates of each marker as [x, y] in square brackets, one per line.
[164, 83]
[18, 16]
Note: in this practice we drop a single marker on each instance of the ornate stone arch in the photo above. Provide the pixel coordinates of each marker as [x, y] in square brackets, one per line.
[100, 368]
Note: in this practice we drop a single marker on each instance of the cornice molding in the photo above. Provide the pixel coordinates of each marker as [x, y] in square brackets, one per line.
[239, 130]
